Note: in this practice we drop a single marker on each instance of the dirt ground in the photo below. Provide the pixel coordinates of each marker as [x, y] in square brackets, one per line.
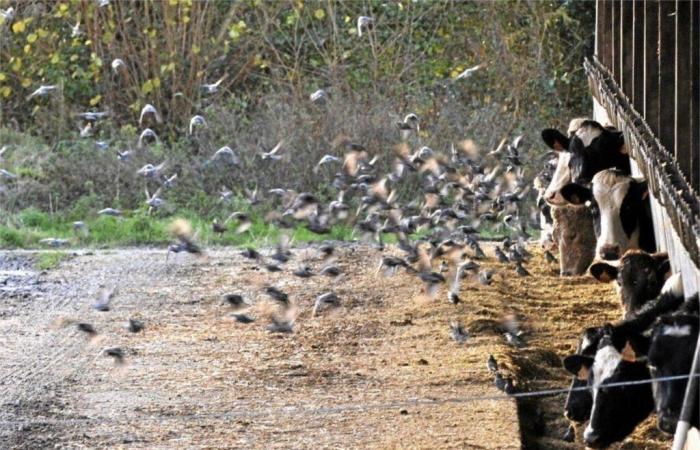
[361, 376]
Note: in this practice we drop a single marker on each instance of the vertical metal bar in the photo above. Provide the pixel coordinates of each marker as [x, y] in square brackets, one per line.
[689, 404]
[695, 100]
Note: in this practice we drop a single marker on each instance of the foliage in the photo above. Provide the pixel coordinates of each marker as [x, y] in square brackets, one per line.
[49, 260]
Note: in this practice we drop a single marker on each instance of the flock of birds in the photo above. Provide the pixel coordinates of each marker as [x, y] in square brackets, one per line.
[437, 234]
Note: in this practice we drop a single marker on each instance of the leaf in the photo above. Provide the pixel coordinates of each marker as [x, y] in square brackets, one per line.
[3, 77]
[26, 82]
[16, 65]
[19, 27]
[319, 14]
[95, 100]
[6, 91]
[147, 87]
[32, 37]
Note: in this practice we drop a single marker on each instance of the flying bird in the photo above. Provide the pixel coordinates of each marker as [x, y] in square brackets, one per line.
[149, 111]
[42, 91]
[364, 23]
[104, 298]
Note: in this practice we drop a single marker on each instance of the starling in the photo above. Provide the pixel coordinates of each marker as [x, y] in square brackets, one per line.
[116, 353]
[134, 326]
[243, 318]
[549, 257]
[458, 333]
[492, 364]
[277, 295]
[234, 300]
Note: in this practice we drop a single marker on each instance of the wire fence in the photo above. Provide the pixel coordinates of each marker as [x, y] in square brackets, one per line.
[330, 410]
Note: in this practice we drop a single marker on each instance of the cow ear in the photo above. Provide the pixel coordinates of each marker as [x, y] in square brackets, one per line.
[574, 363]
[663, 264]
[603, 271]
[555, 139]
[636, 347]
[576, 194]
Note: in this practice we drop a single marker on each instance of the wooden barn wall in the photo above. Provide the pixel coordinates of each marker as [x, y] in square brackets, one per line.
[650, 49]
[645, 80]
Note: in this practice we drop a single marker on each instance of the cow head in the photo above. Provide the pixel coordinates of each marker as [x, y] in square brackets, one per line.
[639, 276]
[616, 411]
[673, 341]
[620, 205]
[589, 149]
[579, 403]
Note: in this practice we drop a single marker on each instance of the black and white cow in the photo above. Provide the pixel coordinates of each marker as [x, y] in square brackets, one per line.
[671, 353]
[621, 209]
[589, 149]
[579, 404]
[639, 276]
[616, 411]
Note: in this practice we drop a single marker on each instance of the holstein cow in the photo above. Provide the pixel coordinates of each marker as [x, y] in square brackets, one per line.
[639, 276]
[589, 148]
[622, 212]
[671, 353]
[579, 404]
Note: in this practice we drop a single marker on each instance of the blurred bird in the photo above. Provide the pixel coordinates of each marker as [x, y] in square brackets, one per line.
[197, 121]
[86, 328]
[330, 271]
[327, 159]
[42, 91]
[458, 333]
[318, 96]
[75, 29]
[54, 242]
[513, 339]
[145, 134]
[7, 174]
[243, 318]
[109, 212]
[468, 72]
[116, 353]
[570, 434]
[364, 23]
[504, 384]
[280, 326]
[235, 301]
[549, 257]
[134, 326]
[329, 299]
[149, 111]
[243, 219]
[520, 270]
[117, 64]
[277, 295]
[272, 154]
[303, 272]
[7, 14]
[104, 298]
[502, 258]
[486, 276]
[213, 87]
[226, 154]
[492, 364]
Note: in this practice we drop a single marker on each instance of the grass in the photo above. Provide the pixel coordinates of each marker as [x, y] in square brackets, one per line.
[27, 228]
[49, 260]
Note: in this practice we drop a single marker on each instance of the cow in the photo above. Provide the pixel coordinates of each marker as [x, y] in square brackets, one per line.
[616, 411]
[579, 404]
[589, 149]
[671, 353]
[639, 276]
[622, 212]
[573, 234]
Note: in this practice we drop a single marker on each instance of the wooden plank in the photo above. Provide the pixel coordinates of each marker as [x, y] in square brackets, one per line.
[614, 41]
[626, 46]
[683, 87]
[602, 35]
[651, 65]
[695, 101]
[637, 93]
[667, 74]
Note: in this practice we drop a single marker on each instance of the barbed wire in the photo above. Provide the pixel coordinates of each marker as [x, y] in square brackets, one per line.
[357, 407]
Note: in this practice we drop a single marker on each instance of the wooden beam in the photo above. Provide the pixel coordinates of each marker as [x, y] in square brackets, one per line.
[626, 48]
[637, 93]
[614, 41]
[683, 87]
[651, 65]
[602, 34]
[695, 97]
[667, 74]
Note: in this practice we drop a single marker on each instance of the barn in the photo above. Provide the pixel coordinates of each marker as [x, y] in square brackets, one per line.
[645, 80]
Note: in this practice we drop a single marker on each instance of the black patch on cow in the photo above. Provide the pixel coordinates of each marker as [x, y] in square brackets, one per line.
[603, 152]
[641, 277]
[672, 356]
[576, 194]
[635, 212]
[555, 139]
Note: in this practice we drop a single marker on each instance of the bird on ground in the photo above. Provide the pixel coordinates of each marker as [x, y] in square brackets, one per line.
[549, 257]
[116, 353]
[303, 272]
[318, 96]
[235, 301]
[458, 333]
[134, 326]
[502, 258]
[492, 364]
[521, 270]
[513, 339]
[86, 328]
[328, 299]
[243, 318]
[243, 219]
[486, 276]
[330, 271]
[280, 326]
[570, 434]
[277, 295]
